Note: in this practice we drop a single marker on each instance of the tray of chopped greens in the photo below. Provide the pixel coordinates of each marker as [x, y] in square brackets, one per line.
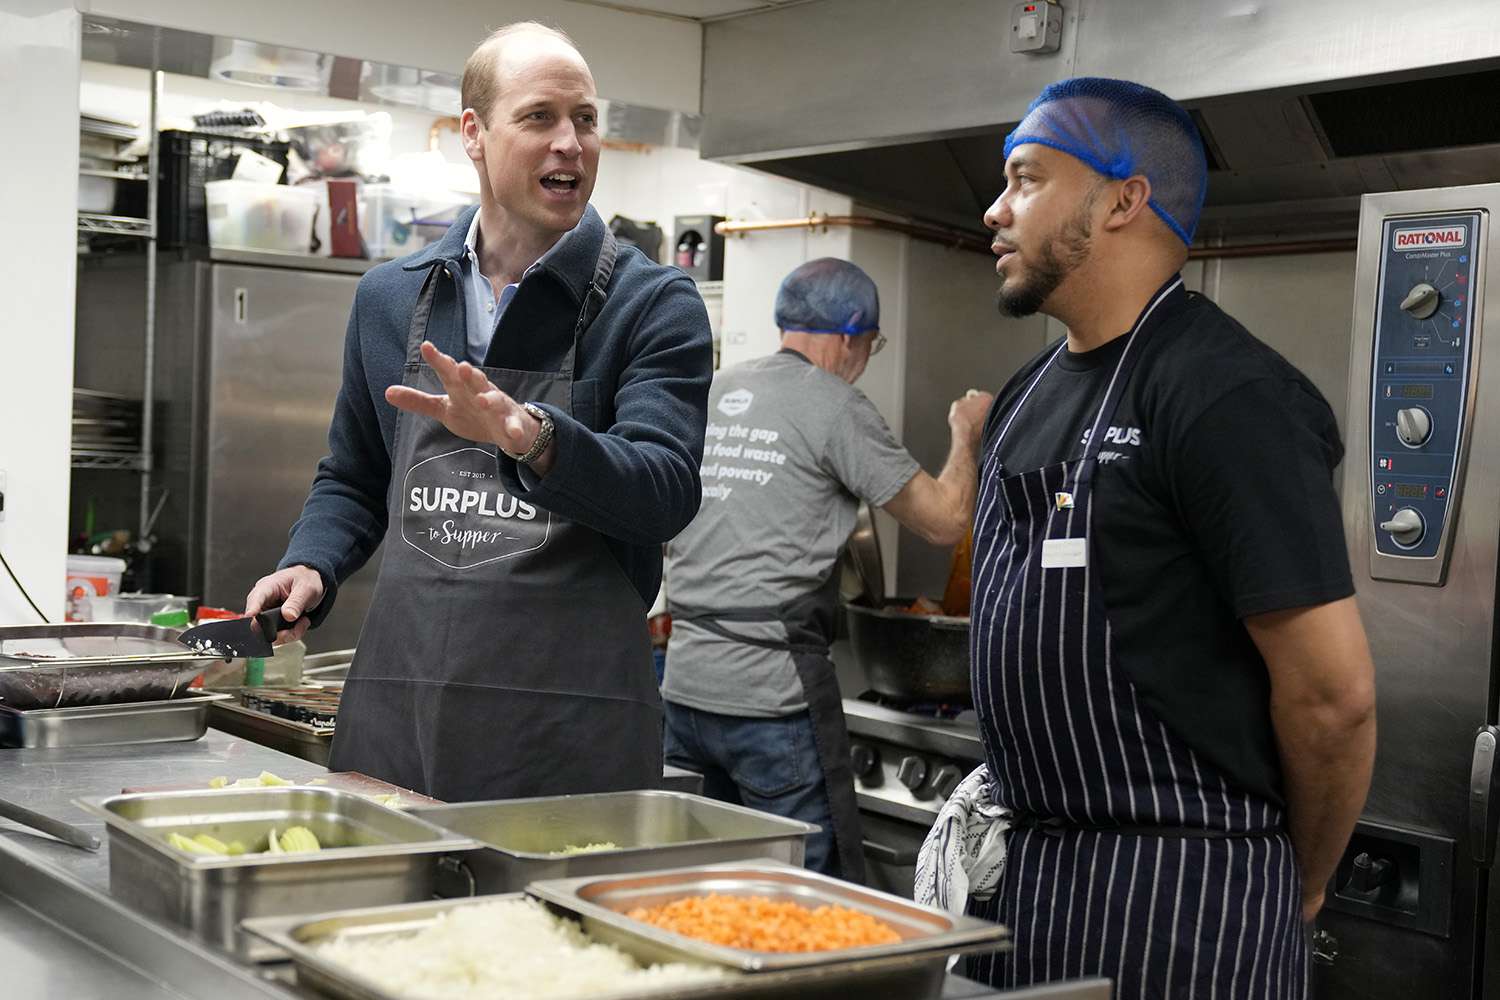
[606, 833]
[208, 859]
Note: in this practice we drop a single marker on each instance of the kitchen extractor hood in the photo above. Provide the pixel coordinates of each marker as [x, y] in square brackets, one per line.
[1296, 129]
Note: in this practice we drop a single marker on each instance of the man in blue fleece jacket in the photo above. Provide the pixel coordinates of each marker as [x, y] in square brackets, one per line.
[521, 421]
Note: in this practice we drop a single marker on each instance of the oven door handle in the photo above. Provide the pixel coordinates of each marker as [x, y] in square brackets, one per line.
[889, 855]
[1484, 797]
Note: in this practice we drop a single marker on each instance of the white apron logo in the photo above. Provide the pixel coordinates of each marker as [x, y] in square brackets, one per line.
[732, 404]
[455, 512]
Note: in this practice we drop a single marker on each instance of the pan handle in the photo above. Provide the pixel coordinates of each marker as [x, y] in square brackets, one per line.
[451, 866]
[890, 855]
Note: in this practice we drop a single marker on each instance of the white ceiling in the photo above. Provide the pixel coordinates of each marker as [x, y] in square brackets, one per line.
[695, 10]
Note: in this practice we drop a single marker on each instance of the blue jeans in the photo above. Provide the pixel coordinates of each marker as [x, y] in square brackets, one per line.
[767, 764]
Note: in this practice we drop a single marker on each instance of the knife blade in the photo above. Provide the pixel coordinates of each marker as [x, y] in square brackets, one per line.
[237, 637]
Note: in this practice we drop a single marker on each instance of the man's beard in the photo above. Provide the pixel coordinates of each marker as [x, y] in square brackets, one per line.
[1059, 257]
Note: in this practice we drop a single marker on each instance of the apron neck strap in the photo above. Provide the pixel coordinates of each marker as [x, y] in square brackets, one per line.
[593, 302]
[1014, 410]
[594, 298]
[422, 314]
[1117, 382]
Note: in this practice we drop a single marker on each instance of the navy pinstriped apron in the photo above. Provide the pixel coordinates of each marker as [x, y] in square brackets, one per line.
[1132, 857]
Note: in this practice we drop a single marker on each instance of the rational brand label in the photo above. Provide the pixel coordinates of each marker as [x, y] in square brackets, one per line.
[1428, 239]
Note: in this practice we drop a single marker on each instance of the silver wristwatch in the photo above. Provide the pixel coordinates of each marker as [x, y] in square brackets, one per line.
[543, 436]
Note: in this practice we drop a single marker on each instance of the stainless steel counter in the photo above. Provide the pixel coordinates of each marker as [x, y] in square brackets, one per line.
[61, 935]
[49, 780]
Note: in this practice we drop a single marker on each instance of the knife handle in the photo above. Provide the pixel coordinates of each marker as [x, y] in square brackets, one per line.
[271, 623]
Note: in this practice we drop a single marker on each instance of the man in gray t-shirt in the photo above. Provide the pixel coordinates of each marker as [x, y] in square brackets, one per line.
[791, 449]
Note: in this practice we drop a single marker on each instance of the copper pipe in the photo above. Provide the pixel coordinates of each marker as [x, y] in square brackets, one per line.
[1272, 249]
[956, 238]
[437, 127]
[961, 240]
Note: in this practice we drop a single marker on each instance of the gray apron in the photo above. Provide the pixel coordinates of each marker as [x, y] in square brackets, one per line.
[809, 629]
[505, 653]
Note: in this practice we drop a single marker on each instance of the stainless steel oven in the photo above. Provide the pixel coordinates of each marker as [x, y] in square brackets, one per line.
[906, 763]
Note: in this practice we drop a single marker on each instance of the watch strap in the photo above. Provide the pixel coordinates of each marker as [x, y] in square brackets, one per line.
[543, 436]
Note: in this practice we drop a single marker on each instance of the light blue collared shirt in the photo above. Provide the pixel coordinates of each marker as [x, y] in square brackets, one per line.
[483, 308]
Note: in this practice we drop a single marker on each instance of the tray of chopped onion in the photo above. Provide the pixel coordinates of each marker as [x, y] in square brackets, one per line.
[519, 947]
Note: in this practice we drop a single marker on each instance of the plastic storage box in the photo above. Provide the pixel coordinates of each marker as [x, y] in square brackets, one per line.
[388, 221]
[189, 160]
[91, 576]
[245, 215]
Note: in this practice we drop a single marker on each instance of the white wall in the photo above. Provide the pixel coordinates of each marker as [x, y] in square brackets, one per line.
[956, 340]
[39, 43]
[635, 58]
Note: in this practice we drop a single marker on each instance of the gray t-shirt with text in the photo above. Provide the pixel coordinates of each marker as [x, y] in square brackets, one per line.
[790, 451]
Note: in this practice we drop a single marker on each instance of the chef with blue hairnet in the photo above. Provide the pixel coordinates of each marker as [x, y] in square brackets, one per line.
[750, 695]
[1171, 677]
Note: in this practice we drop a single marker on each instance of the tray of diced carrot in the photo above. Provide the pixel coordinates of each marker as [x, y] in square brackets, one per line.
[765, 916]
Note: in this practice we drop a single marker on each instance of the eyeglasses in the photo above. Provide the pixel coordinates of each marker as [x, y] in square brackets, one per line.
[878, 344]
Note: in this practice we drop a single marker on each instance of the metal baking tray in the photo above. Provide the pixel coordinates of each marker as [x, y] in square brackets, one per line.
[299, 739]
[601, 904]
[330, 668]
[93, 663]
[901, 977]
[653, 830]
[384, 856]
[177, 719]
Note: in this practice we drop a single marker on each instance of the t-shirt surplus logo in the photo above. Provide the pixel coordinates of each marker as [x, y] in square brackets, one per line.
[736, 402]
[454, 511]
[1120, 437]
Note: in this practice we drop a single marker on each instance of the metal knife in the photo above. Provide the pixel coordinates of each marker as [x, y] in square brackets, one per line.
[237, 637]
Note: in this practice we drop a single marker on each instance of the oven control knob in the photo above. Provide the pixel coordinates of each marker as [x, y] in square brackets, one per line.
[912, 772]
[1422, 301]
[1413, 426]
[945, 780]
[1406, 527]
[865, 760]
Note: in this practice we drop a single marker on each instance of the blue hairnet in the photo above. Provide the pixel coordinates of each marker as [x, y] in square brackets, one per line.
[828, 295]
[1122, 129]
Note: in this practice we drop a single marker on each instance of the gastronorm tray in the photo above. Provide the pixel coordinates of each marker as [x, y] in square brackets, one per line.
[601, 903]
[176, 719]
[91, 663]
[299, 739]
[390, 856]
[899, 977]
[652, 830]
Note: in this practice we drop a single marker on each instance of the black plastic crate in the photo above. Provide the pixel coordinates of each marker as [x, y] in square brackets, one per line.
[188, 161]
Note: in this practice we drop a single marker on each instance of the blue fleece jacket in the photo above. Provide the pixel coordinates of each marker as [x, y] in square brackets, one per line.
[627, 459]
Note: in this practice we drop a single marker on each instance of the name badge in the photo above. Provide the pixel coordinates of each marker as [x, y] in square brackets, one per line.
[1065, 553]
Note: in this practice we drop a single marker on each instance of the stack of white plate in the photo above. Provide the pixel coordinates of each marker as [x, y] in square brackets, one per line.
[104, 160]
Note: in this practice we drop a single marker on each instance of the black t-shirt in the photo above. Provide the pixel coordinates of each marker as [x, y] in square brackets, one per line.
[1213, 501]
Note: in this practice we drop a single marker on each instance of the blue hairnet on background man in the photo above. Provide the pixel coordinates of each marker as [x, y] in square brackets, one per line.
[1169, 671]
[792, 447]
